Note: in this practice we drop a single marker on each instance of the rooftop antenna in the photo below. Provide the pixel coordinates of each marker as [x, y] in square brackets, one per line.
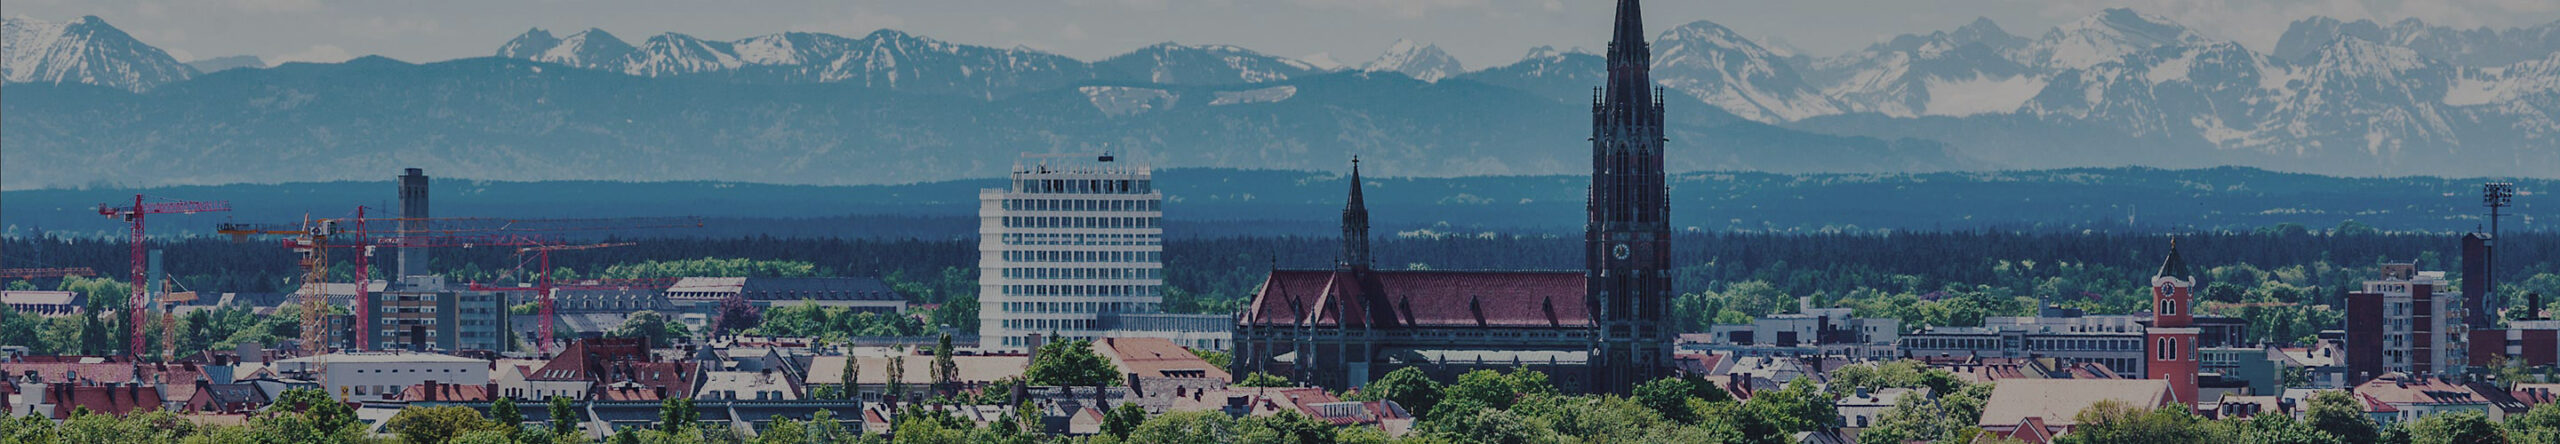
[2496, 196]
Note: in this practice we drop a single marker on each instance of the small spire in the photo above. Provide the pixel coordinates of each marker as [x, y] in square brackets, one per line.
[2175, 266]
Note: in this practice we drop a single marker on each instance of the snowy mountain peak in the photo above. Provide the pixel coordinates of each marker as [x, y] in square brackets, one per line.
[86, 50]
[1712, 63]
[1323, 61]
[1420, 61]
[2106, 36]
[1983, 31]
[2475, 47]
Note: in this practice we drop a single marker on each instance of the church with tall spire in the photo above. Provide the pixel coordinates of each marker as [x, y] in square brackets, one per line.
[1628, 236]
[1600, 329]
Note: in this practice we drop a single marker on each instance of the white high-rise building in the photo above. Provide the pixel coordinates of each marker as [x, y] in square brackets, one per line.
[1066, 246]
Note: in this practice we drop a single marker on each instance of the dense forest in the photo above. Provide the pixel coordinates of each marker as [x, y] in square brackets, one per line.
[2286, 278]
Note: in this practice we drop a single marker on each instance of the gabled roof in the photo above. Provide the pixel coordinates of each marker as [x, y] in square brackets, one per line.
[233, 393]
[117, 400]
[1421, 299]
[1157, 358]
[918, 369]
[2057, 401]
[2395, 389]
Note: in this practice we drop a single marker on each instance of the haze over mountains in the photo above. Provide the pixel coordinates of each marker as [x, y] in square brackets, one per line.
[2115, 88]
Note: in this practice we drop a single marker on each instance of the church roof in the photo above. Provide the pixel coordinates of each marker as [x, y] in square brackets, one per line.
[1421, 299]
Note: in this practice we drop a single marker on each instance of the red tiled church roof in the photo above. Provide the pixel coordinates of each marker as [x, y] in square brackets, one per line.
[1421, 299]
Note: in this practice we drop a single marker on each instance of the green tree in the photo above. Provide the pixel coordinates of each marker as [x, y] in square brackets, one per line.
[502, 413]
[564, 418]
[2456, 428]
[945, 371]
[1260, 379]
[1199, 427]
[651, 325]
[2338, 414]
[677, 414]
[1287, 427]
[1668, 397]
[2272, 429]
[2112, 422]
[436, 424]
[1071, 363]
[897, 372]
[1122, 420]
[1407, 386]
[325, 415]
[2539, 425]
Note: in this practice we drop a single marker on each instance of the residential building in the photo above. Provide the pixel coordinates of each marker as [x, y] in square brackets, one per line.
[2038, 410]
[379, 376]
[915, 373]
[1863, 408]
[441, 391]
[423, 314]
[43, 303]
[611, 369]
[857, 294]
[1156, 358]
[1810, 331]
[765, 385]
[1062, 246]
[2399, 398]
[237, 397]
[2404, 323]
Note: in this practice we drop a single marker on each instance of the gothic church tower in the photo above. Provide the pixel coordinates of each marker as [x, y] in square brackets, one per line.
[1628, 236]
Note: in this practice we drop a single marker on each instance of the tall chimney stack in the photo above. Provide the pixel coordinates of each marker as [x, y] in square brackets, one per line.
[413, 205]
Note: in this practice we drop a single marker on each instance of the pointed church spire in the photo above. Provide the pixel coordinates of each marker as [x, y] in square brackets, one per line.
[2175, 266]
[1630, 93]
[1355, 224]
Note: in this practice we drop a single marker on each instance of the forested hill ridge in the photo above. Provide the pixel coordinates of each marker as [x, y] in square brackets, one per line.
[1228, 202]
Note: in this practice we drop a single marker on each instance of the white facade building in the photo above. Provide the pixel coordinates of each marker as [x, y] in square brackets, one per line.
[1061, 247]
[377, 376]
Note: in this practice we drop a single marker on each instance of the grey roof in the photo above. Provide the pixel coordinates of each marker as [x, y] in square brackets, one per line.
[792, 289]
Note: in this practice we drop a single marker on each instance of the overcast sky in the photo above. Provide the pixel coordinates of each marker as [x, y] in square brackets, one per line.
[1478, 32]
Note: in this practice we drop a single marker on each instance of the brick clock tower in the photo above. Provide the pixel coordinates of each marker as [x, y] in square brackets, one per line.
[2171, 339]
[1627, 255]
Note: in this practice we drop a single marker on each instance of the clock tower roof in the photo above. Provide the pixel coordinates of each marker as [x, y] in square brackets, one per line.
[2175, 266]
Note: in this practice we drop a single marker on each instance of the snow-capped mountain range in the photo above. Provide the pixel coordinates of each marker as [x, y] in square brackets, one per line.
[86, 51]
[1419, 61]
[2116, 87]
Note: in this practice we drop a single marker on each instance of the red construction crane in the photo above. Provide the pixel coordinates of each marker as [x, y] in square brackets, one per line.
[316, 237]
[135, 215]
[542, 288]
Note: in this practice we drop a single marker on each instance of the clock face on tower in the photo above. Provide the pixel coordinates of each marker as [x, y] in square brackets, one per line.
[2167, 290]
[1619, 251]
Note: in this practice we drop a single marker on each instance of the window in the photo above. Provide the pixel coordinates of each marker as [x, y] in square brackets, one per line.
[2168, 349]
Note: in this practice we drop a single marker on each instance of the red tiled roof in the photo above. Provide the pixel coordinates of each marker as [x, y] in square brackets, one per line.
[68, 398]
[1390, 299]
[66, 371]
[604, 362]
[1157, 358]
[2394, 389]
